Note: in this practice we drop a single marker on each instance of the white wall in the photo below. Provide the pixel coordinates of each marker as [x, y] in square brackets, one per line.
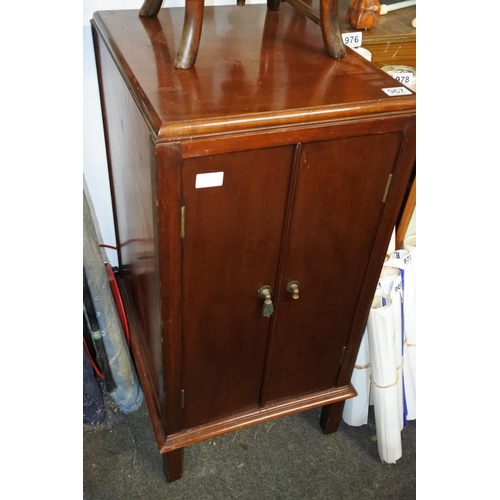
[94, 154]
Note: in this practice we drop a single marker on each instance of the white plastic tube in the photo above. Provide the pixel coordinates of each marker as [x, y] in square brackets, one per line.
[384, 9]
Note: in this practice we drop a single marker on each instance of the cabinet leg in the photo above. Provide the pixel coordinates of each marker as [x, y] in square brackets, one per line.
[172, 464]
[330, 417]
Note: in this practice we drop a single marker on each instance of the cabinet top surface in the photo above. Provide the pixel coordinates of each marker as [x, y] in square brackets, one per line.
[255, 69]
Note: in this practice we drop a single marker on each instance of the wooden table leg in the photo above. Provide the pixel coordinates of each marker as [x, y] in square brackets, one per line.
[172, 464]
[330, 417]
[191, 33]
[191, 30]
[193, 23]
[330, 29]
[273, 4]
[150, 8]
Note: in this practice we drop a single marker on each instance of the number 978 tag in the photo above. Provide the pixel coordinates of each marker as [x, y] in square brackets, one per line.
[404, 78]
[354, 39]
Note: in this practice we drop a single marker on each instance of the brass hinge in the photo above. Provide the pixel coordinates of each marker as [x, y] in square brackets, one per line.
[389, 180]
[183, 222]
[342, 355]
[182, 398]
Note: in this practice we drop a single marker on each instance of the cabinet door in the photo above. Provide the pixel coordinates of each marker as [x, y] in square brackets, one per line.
[336, 210]
[231, 248]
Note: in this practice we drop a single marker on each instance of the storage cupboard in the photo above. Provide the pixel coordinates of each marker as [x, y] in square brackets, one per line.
[254, 199]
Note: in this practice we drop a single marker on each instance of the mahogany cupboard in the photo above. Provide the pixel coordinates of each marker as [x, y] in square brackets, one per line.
[254, 200]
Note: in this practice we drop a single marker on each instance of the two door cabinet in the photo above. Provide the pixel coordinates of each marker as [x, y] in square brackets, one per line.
[254, 198]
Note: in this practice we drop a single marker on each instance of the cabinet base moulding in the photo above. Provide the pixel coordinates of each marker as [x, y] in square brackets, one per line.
[247, 419]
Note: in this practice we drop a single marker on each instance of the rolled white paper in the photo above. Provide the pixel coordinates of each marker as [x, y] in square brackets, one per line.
[410, 242]
[391, 284]
[381, 336]
[403, 260]
[355, 411]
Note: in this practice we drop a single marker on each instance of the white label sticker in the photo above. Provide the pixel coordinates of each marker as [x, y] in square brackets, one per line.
[211, 179]
[354, 39]
[404, 78]
[392, 91]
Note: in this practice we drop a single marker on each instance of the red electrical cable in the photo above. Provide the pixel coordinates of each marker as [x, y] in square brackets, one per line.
[117, 296]
[118, 301]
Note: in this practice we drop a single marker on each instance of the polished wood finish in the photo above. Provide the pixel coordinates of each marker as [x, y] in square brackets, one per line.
[298, 363]
[316, 159]
[406, 215]
[330, 417]
[224, 371]
[325, 399]
[391, 42]
[172, 464]
[193, 24]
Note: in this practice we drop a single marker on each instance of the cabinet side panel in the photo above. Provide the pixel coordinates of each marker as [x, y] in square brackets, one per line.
[131, 163]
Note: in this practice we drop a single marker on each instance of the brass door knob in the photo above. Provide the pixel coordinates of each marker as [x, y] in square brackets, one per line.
[293, 288]
[265, 293]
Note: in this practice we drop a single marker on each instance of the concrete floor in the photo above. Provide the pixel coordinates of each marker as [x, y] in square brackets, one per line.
[289, 458]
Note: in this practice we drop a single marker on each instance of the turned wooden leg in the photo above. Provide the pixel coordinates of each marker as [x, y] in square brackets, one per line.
[172, 464]
[363, 14]
[191, 33]
[273, 4]
[150, 8]
[330, 417]
[330, 29]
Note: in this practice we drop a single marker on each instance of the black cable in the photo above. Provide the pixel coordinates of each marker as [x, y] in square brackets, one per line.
[90, 316]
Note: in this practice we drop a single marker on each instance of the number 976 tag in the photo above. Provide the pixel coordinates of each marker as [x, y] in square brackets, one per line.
[354, 39]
